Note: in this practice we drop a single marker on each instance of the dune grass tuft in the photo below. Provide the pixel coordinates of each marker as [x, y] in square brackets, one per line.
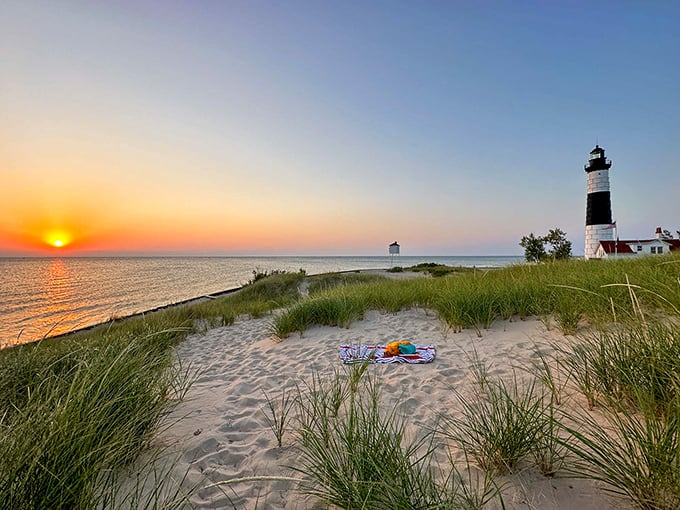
[358, 455]
[501, 424]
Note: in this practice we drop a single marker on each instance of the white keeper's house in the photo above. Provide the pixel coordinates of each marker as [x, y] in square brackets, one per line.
[658, 245]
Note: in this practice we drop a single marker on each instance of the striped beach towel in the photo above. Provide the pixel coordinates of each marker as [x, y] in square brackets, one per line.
[357, 353]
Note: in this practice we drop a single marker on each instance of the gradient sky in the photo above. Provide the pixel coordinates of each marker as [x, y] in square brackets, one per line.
[331, 127]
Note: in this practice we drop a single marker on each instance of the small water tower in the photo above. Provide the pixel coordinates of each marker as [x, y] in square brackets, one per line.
[394, 251]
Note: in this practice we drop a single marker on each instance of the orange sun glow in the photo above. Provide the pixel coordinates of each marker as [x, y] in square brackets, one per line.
[57, 239]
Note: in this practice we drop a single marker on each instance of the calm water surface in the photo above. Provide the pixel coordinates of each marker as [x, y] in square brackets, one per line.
[42, 297]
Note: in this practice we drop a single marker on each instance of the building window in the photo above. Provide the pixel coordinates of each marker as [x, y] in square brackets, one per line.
[659, 249]
[653, 249]
[639, 248]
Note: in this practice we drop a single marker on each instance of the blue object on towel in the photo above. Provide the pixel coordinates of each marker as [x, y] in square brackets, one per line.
[407, 349]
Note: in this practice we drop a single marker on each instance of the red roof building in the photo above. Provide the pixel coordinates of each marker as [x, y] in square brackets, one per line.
[630, 247]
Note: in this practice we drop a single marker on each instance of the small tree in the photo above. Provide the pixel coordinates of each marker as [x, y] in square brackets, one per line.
[534, 248]
[560, 246]
[666, 234]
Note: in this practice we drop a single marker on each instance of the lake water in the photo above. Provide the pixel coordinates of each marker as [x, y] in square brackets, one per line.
[42, 297]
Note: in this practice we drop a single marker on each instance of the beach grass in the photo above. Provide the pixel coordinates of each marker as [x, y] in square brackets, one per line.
[631, 376]
[636, 454]
[358, 455]
[75, 408]
[78, 413]
[261, 295]
[502, 423]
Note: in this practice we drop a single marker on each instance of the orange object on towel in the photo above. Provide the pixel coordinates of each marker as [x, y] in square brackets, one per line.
[392, 349]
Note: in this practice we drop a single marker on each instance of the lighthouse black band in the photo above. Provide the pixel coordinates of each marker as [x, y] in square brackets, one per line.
[599, 208]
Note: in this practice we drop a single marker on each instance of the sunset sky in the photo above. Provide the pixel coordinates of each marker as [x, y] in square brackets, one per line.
[331, 127]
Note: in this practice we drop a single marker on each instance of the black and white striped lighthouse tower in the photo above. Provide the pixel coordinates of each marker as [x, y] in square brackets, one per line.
[599, 207]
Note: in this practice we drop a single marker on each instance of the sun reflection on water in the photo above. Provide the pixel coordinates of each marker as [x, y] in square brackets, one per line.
[59, 314]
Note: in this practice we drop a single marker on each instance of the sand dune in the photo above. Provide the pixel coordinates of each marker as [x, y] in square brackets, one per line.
[224, 433]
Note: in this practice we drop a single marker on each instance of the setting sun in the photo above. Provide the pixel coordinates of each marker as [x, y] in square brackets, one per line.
[57, 239]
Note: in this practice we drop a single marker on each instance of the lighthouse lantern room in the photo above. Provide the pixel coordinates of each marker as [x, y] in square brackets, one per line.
[599, 226]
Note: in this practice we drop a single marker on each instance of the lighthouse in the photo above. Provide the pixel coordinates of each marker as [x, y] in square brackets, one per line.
[599, 226]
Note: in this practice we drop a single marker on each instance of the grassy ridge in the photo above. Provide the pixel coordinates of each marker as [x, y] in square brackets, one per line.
[571, 291]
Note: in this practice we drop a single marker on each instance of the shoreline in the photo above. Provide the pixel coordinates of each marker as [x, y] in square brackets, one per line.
[197, 299]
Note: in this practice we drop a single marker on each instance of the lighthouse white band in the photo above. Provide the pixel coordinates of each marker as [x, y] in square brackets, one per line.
[598, 181]
[595, 234]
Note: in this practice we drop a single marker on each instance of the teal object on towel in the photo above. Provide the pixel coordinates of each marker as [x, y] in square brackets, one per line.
[407, 349]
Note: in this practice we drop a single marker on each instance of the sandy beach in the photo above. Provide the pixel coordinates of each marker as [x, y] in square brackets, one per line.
[222, 430]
